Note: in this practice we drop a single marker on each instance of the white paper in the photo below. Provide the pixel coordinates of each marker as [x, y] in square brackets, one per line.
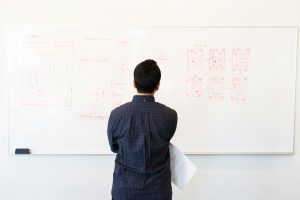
[182, 169]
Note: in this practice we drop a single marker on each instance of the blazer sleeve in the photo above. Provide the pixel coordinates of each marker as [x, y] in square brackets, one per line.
[111, 133]
[174, 122]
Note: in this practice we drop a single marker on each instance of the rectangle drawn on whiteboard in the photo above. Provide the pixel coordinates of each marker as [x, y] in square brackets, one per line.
[195, 58]
[216, 90]
[240, 59]
[217, 59]
[47, 84]
[238, 89]
[194, 86]
[49, 48]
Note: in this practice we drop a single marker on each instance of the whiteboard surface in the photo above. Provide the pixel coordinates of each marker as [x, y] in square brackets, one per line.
[233, 87]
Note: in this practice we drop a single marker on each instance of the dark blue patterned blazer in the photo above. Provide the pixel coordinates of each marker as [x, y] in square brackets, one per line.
[140, 132]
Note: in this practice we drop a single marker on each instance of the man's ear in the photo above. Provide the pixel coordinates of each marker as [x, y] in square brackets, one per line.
[133, 82]
[157, 87]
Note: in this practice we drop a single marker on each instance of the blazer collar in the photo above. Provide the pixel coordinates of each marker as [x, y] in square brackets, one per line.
[143, 98]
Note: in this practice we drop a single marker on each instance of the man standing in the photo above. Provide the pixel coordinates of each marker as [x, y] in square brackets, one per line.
[140, 132]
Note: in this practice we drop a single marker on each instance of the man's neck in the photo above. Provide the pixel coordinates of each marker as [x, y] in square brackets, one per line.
[145, 94]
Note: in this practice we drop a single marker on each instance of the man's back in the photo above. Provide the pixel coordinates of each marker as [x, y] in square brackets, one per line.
[140, 132]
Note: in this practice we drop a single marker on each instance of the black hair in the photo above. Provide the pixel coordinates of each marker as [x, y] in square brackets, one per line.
[147, 76]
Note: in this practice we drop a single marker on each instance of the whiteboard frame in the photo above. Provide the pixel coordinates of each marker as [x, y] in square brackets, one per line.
[7, 89]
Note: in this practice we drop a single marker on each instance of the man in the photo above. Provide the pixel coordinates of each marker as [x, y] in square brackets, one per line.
[140, 132]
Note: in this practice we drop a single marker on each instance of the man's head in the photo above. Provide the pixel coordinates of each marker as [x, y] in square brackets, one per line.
[147, 76]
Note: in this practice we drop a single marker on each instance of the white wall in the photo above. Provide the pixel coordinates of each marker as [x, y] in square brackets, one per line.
[219, 177]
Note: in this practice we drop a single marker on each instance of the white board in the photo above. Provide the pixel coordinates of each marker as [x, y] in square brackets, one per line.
[233, 87]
